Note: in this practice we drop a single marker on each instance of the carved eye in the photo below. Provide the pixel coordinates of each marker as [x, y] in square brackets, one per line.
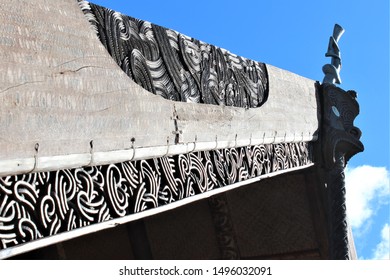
[335, 111]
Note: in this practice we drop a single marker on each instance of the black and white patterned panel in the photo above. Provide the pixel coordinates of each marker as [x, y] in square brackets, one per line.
[42, 204]
[175, 66]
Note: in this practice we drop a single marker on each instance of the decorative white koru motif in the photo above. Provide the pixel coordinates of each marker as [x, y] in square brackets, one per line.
[43, 204]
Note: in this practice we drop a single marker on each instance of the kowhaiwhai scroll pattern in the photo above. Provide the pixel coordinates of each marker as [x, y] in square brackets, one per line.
[43, 204]
[175, 66]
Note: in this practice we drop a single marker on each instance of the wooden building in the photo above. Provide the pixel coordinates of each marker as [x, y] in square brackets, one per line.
[122, 139]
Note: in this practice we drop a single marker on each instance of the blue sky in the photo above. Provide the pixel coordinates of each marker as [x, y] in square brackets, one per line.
[294, 35]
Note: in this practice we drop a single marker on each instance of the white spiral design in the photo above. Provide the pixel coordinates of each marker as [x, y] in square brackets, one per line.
[46, 203]
[176, 66]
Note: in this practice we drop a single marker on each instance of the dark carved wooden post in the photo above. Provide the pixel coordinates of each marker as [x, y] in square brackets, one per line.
[340, 141]
[338, 226]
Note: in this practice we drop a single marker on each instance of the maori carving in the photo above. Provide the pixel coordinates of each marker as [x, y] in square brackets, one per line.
[340, 141]
[177, 67]
[340, 109]
[226, 236]
[338, 226]
[332, 71]
[43, 204]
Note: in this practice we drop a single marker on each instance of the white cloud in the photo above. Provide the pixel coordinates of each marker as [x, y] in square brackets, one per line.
[382, 250]
[365, 184]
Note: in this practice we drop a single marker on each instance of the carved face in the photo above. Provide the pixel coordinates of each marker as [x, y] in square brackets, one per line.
[340, 109]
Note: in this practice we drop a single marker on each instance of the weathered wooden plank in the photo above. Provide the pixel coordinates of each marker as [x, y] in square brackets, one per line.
[60, 89]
